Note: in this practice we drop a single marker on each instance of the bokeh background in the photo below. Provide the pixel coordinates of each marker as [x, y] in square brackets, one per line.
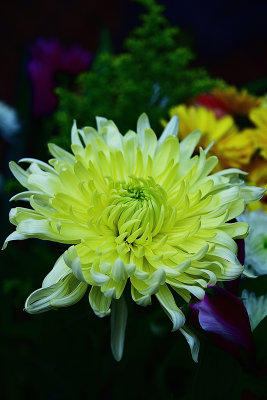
[66, 354]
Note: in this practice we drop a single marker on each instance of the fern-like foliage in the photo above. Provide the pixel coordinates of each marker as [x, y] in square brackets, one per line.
[150, 76]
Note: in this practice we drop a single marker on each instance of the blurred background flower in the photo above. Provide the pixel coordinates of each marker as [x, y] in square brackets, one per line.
[9, 121]
[47, 58]
[256, 307]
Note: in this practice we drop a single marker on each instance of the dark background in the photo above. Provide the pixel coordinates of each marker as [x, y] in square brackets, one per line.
[229, 37]
[66, 354]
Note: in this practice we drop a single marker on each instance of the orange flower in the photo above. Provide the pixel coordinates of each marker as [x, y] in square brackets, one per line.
[237, 102]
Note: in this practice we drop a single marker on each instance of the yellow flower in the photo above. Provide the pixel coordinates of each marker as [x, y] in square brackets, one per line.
[258, 176]
[233, 148]
[134, 209]
[259, 117]
[237, 102]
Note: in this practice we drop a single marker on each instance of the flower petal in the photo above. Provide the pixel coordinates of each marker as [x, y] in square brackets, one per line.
[64, 293]
[256, 307]
[118, 326]
[224, 317]
[170, 130]
[168, 304]
[99, 303]
[192, 340]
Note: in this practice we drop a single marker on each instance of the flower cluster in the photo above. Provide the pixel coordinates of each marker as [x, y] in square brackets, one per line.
[216, 115]
[134, 209]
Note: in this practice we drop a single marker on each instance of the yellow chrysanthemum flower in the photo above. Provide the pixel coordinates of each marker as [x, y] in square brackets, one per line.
[257, 175]
[238, 102]
[259, 117]
[134, 209]
[233, 148]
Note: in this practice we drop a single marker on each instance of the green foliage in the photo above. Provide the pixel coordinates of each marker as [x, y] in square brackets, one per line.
[150, 76]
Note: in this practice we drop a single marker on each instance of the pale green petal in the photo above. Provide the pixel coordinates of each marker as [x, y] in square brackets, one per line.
[61, 154]
[99, 303]
[168, 304]
[112, 136]
[209, 147]
[256, 307]
[154, 282]
[142, 125]
[118, 326]
[20, 174]
[25, 196]
[98, 278]
[188, 145]
[171, 129]
[13, 236]
[100, 123]
[192, 340]
[141, 300]
[255, 242]
[64, 293]
[43, 166]
[252, 193]
[75, 135]
[59, 271]
[118, 271]
[76, 267]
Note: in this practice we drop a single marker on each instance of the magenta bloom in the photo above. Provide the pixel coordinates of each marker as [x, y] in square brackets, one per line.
[47, 58]
[223, 317]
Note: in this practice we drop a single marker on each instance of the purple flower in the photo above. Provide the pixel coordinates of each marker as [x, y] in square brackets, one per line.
[223, 317]
[75, 60]
[49, 57]
[43, 83]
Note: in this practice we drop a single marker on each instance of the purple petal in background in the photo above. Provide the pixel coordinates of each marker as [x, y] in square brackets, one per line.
[49, 57]
[41, 76]
[48, 52]
[75, 60]
[224, 318]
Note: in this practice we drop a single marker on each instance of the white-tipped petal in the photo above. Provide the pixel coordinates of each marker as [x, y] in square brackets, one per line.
[168, 304]
[119, 272]
[76, 267]
[100, 123]
[252, 193]
[171, 129]
[75, 135]
[192, 340]
[20, 174]
[64, 293]
[99, 303]
[98, 278]
[142, 125]
[61, 154]
[58, 272]
[44, 166]
[188, 145]
[13, 236]
[154, 282]
[141, 300]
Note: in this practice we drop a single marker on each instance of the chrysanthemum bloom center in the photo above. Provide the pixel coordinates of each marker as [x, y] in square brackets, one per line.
[138, 210]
